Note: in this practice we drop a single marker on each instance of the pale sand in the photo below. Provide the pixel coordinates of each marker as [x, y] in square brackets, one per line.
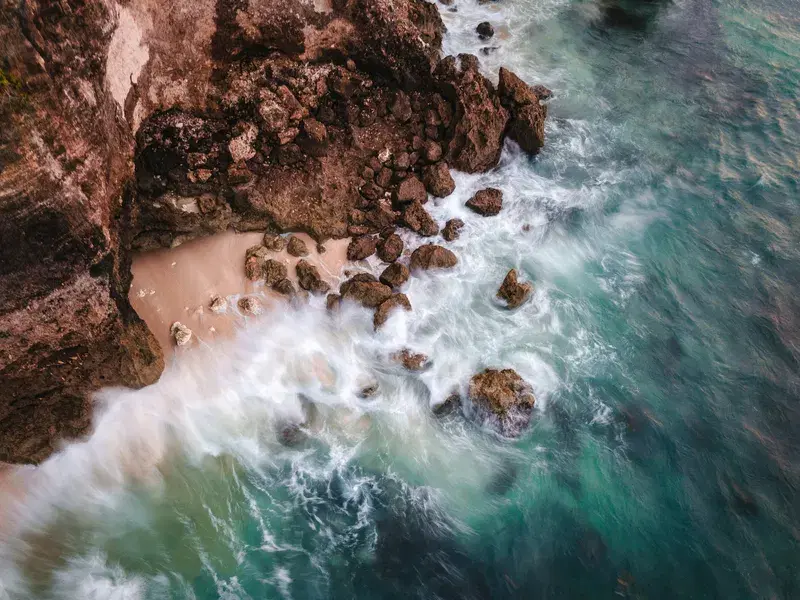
[177, 284]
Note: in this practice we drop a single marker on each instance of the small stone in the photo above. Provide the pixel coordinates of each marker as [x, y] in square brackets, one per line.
[411, 189]
[384, 177]
[438, 180]
[309, 278]
[250, 305]
[433, 151]
[432, 256]
[487, 50]
[321, 249]
[273, 271]
[361, 247]
[384, 155]
[487, 202]
[387, 231]
[285, 287]
[402, 161]
[452, 229]
[385, 309]
[357, 217]
[316, 131]
[417, 143]
[512, 291]
[333, 301]
[180, 333]
[485, 30]
[401, 107]
[432, 133]
[297, 247]
[368, 174]
[287, 135]
[413, 361]
[357, 230]
[274, 242]
[390, 248]
[241, 147]
[395, 275]
[218, 304]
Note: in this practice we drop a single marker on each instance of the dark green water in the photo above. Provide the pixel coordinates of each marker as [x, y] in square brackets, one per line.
[663, 345]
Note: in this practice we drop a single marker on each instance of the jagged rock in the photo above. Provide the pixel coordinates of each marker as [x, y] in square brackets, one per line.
[332, 301]
[402, 161]
[452, 229]
[417, 219]
[433, 151]
[451, 405]
[484, 30]
[504, 398]
[395, 275]
[273, 271]
[527, 114]
[512, 291]
[309, 278]
[180, 333]
[381, 216]
[401, 107]
[412, 361]
[438, 180]
[390, 248]
[285, 288]
[361, 247]
[367, 292]
[481, 119]
[487, 202]
[297, 247]
[218, 304]
[384, 177]
[385, 309]
[274, 242]
[250, 305]
[432, 256]
[411, 190]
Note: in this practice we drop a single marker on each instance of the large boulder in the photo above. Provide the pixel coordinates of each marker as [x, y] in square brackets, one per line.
[480, 121]
[365, 290]
[361, 247]
[487, 202]
[512, 291]
[527, 113]
[395, 275]
[438, 181]
[503, 399]
[432, 256]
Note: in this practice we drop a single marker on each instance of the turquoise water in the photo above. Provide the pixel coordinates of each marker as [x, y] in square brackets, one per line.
[659, 227]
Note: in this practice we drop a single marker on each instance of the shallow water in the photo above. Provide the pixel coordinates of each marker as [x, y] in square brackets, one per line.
[659, 227]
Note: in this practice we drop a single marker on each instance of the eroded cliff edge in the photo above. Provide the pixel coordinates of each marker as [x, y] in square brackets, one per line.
[135, 125]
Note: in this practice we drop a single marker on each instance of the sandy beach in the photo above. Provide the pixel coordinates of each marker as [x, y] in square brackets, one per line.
[177, 284]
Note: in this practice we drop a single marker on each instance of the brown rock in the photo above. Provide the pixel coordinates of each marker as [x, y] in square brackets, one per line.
[401, 107]
[487, 202]
[250, 305]
[433, 151]
[384, 177]
[402, 161]
[285, 288]
[361, 247]
[309, 278]
[411, 190]
[385, 309]
[370, 294]
[481, 119]
[273, 271]
[381, 216]
[431, 256]
[274, 242]
[333, 301]
[417, 219]
[504, 398]
[452, 229]
[395, 275]
[438, 180]
[512, 291]
[513, 91]
[390, 248]
[527, 114]
[413, 361]
[358, 230]
[296, 246]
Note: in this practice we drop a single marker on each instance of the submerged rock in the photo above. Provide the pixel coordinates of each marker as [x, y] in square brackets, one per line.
[512, 291]
[432, 256]
[250, 305]
[412, 361]
[451, 405]
[180, 333]
[285, 288]
[273, 271]
[309, 278]
[452, 229]
[503, 398]
[487, 202]
[484, 30]
[385, 309]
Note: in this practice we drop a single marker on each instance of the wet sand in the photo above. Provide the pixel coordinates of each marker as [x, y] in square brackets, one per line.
[177, 284]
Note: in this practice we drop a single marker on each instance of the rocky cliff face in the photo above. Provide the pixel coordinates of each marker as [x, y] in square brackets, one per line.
[138, 124]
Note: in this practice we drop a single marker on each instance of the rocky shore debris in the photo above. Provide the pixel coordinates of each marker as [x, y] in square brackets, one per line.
[395, 301]
[250, 305]
[487, 202]
[362, 247]
[395, 275]
[274, 242]
[296, 247]
[390, 248]
[309, 278]
[218, 304]
[513, 291]
[285, 288]
[432, 256]
[452, 229]
[366, 290]
[503, 399]
[450, 406]
[412, 361]
[417, 219]
[484, 30]
[180, 333]
[527, 113]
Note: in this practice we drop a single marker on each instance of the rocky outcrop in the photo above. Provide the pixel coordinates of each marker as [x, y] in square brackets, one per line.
[138, 125]
[432, 256]
[487, 203]
[503, 399]
[417, 219]
[527, 113]
[512, 291]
